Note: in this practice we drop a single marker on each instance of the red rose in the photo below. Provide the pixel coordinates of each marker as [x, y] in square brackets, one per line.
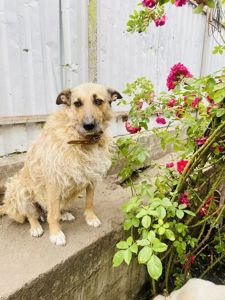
[181, 165]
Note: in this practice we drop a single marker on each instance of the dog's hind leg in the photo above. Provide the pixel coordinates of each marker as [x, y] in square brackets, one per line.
[32, 214]
[67, 216]
[91, 218]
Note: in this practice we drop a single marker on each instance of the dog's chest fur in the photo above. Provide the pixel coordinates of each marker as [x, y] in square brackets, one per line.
[70, 167]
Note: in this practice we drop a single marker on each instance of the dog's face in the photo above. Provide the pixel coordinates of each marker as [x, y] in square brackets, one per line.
[90, 107]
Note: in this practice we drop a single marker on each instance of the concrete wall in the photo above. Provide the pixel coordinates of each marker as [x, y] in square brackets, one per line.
[88, 275]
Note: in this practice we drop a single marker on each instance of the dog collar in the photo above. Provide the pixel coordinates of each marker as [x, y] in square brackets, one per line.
[91, 140]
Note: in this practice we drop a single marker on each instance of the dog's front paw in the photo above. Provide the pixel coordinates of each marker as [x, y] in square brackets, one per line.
[37, 231]
[58, 239]
[94, 222]
[66, 216]
[92, 219]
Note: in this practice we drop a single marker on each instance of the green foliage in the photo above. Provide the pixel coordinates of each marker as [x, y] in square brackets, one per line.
[167, 232]
[140, 19]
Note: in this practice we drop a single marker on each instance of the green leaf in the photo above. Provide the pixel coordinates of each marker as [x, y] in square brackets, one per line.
[135, 222]
[161, 212]
[154, 267]
[198, 9]
[188, 212]
[151, 235]
[127, 256]
[219, 96]
[118, 258]
[219, 86]
[159, 247]
[210, 83]
[179, 213]
[161, 230]
[127, 224]
[146, 221]
[170, 235]
[129, 241]
[143, 242]
[144, 255]
[210, 3]
[122, 245]
[220, 112]
[141, 213]
[182, 206]
[134, 248]
[166, 202]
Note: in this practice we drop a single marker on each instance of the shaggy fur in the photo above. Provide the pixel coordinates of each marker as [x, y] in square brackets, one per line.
[55, 172]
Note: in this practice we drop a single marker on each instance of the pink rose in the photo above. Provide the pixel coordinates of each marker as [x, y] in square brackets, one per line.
[131, 129]
[149, 3]
[160, 21]
[170, 165]
[171, 102]
[201, 140]
[160, 120]
[177, 73]
[195, 102]
[184, 198]
[180, 2]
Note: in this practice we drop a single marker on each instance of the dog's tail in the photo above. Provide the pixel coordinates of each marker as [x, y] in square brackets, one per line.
[2, 210]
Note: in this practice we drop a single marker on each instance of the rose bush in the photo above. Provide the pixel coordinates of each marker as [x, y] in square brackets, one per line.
[173, 222]
[154, 11]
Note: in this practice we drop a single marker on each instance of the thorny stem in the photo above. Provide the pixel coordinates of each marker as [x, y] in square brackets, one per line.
[205, 219]
[210, 193]
[196, 157]
[209, 232]
[212, 265]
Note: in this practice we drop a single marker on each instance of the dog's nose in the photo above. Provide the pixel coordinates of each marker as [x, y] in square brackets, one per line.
[89, 126]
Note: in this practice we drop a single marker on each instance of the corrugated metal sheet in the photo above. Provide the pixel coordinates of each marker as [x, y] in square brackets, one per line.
[44, 48]
[210, 62]
[42, 51]
[122, 56]
[74, 28]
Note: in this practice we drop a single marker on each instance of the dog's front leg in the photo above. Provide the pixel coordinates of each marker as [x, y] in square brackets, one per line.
[90, 216]
[56, 235]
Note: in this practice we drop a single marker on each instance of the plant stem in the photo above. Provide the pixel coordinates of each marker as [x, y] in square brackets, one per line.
[153, 287]
[168, 271]
[209, 232]
[212, 265]
[211, 191]
[197, 157]
[205, 219]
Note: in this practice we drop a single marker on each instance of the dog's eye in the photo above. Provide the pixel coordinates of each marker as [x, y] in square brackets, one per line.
[78, 103]
[98, 101]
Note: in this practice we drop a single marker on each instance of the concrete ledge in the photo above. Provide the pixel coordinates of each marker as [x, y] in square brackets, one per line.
[33, 268]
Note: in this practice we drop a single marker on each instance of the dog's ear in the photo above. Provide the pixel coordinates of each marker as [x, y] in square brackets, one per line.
[114, 95]
[64, 97]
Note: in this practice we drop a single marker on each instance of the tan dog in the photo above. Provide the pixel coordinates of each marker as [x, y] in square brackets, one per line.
[197, 289]
[70, 155]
